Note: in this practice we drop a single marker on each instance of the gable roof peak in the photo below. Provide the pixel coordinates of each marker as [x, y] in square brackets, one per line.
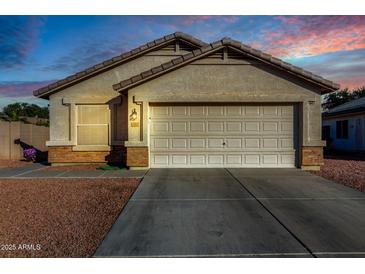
[188, 37]
[115, 61]
[326, 85]
[226, 39]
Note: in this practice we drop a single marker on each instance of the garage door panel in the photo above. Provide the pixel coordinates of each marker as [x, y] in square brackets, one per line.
[233, 142]
[215, 126]
[252, 159]
[179, 143]
[215, 143]
[160, 159]
[199, 111]
[287, 111]
[270, 111]
[287, 127]
[198, 160]
[252, 143]
[222, 136]
[234, 127]
[179, 111]
[270, 159]
[287, 159]
[252, 127]
[216, 111]
[160, 127]
[216, 159]
[197, 127]
[234, 111]
[159, 143]
[178, 127]
[234, 159]
[197, 143]
[270, 143]
[252, 111]
[159, 112]
[287, 143]
[271, 127]
[179, 159]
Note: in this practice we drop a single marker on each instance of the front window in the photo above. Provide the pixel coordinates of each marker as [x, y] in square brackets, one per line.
[93, 125]
[342, 129]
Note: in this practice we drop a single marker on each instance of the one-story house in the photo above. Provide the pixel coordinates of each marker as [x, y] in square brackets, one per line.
[180, 102]
[343, 127]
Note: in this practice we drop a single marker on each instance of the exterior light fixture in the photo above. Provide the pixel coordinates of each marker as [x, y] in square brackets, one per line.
[133, 115]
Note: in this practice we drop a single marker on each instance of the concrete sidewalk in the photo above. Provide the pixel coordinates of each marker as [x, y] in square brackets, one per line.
[40, 171]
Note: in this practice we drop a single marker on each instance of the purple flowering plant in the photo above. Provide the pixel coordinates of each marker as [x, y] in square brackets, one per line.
[30, 154]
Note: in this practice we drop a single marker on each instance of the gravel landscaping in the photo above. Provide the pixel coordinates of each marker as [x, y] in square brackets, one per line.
[13, 163]
[349, 172]
[59, 217]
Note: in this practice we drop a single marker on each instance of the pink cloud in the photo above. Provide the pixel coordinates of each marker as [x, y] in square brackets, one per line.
[194, 19]
[19, 89]
[190, 20]
[288, 19]
[298, 36]
[352, 82]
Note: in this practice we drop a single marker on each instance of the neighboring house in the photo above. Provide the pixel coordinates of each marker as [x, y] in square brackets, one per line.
[344, 126]
[179, 102]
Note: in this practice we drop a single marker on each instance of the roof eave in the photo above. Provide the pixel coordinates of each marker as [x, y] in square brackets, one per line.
[114, 62]
[130, 83]
[200, 53]
[353, 111]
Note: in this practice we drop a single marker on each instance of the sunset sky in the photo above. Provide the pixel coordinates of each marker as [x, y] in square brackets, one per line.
[35, 50]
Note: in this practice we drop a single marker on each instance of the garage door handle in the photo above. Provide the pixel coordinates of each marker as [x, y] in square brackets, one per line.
[224, 143]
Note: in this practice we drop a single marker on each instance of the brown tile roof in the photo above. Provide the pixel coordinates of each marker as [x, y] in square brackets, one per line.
[327, 85]
[79, 76]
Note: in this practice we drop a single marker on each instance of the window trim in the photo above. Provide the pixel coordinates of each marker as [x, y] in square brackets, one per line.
[95, 147]
[342, 129]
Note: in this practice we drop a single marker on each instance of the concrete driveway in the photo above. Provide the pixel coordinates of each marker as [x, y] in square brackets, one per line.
[238, 212]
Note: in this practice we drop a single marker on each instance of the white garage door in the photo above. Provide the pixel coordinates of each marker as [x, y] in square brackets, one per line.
[222, 136]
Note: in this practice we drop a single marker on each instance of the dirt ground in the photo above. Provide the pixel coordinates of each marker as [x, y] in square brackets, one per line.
[344, 170]
[13, 163]
[59, 217]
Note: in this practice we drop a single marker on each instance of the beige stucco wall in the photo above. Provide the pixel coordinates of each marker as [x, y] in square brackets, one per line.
[215, 80]
[205, 80]
[98, 89]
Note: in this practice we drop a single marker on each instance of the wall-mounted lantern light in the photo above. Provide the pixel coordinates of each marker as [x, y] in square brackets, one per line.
[133, 115]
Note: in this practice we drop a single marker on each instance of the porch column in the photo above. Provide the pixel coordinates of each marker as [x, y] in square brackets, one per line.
[137, 144]
[311, 156]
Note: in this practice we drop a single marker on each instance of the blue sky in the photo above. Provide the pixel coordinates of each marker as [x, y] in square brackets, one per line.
[37, 50]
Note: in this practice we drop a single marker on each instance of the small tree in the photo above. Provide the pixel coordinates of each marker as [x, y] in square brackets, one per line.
[340, 97]
[359, 92]
[16, 110]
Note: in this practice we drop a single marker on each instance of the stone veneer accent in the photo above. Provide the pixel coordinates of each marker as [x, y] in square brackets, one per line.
[312, 157]
[137, 157]
[65, 154]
